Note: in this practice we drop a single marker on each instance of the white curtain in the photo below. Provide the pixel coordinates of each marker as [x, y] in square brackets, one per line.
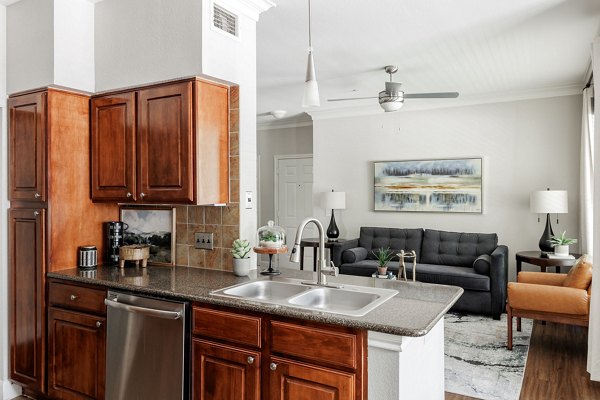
[594, 330]
[586, 178]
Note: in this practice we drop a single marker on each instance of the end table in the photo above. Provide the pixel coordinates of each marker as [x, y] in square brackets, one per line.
[535, 258]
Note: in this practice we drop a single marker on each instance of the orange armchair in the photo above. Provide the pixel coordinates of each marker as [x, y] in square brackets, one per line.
[546, 296]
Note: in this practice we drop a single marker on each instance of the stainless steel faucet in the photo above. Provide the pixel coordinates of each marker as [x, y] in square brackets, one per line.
[322, 266]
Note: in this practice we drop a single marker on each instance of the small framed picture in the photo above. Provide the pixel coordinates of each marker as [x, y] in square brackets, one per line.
[154, 226]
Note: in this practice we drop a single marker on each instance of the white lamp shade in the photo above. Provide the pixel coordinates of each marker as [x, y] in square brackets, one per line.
[391, 106]
[335, 200]
[311, 88]
[549, 202]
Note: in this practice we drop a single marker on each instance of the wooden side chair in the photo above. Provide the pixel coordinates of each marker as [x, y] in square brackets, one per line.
[561, 298]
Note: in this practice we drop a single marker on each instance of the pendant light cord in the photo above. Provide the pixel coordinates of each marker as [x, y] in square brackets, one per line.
[309, 32]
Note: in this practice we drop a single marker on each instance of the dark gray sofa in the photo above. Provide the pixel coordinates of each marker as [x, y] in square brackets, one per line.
[473, 261]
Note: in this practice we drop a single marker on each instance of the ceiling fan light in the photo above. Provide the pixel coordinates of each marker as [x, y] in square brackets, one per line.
[391, 102]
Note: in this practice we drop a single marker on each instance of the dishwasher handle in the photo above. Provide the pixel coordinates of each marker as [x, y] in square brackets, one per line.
[142, 310]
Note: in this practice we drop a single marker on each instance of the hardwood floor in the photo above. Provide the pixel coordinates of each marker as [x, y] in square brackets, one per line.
[556, 365]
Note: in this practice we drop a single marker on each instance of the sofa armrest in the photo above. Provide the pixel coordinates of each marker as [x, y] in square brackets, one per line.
[547, 298]
[541, 278]
[338, 248]
[499, 279]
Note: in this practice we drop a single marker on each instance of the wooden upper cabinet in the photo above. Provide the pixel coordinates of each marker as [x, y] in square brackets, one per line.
[26, 292]
[113, 147]
[165, 144]
[27, 136]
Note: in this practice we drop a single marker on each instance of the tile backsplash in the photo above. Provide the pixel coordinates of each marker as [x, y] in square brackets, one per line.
[222, 221]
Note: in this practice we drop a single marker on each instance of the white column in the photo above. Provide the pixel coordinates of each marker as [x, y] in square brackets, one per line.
[407, 368]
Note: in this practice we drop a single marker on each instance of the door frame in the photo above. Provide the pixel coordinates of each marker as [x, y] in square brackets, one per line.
[276, 159]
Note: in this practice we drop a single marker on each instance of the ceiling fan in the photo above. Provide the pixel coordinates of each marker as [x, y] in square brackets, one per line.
[392, 98]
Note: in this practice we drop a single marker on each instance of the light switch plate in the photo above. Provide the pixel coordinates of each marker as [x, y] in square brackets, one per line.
[203, 240]
[248, 200]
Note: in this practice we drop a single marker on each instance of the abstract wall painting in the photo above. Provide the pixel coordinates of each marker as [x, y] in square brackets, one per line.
[445, 185]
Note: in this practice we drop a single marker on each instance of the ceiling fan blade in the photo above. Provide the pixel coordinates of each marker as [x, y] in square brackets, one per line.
[442, 95]
[352, 98]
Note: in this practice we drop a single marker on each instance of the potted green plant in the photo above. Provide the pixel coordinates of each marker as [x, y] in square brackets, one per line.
[383, 258]
[241, 257]
[561, 243]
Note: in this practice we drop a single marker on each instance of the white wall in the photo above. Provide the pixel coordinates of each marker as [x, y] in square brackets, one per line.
[525, 145]
[7, 391]
[144, 41]
[30, 44]
[272, 142]
[74, 44]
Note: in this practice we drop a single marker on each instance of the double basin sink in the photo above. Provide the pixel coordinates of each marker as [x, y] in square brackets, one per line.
[348, 300]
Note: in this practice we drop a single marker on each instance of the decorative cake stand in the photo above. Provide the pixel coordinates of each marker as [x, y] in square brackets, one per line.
[270, 251]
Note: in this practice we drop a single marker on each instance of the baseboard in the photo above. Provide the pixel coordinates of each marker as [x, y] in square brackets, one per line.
[9, 391]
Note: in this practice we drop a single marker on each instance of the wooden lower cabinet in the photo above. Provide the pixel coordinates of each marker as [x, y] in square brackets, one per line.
[289, 379]
[302, 360]
[222, 372]
[76, 355]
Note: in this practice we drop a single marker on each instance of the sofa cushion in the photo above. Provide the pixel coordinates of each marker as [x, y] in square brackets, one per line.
[395, 238]
[464, 277]
[456, 248]
[355, 254]
[482, 264]
[366, 268]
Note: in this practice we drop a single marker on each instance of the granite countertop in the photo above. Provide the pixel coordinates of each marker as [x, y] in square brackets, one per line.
[412, 312]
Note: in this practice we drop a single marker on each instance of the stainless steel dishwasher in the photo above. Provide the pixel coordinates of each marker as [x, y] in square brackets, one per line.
[147, 355]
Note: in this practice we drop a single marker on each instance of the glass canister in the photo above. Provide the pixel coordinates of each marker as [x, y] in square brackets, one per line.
[271, 236]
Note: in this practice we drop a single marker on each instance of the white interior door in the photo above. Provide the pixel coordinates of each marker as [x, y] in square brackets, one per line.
[294, 202]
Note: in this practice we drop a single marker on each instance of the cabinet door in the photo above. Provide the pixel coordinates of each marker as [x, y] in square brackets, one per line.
[291, 380]
[76, 355]
[27, 297]
[223, 372]
[113, 147]
[165, 144]
[27, 147]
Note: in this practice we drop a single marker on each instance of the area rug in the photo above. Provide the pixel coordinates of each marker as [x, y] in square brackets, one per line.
[477, 363]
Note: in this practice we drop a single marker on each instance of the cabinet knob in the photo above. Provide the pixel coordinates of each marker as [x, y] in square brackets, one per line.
[250, 360]
[37, 195]
[142, 195]
[129, 194]
[273, 366]
[73, 297]
[98, 324]
[36, 213]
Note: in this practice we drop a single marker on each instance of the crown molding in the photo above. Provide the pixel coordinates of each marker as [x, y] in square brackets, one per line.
[250, 8]
[503, 97]
[296, 121]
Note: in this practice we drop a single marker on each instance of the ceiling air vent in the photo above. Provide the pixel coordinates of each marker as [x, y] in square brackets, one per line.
[225, 20]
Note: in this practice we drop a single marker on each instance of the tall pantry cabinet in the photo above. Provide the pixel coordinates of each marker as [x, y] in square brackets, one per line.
[51, 215]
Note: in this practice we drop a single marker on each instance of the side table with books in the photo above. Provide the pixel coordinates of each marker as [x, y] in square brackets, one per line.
[545, 260]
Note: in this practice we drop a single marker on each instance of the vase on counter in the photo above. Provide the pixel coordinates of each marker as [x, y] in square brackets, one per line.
[241, 266]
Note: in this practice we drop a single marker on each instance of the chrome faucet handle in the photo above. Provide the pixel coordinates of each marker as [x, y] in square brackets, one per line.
[333, 271]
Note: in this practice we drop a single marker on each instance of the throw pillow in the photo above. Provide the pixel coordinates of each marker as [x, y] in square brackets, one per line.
[580, 275]
[482, 264]
[354, 255]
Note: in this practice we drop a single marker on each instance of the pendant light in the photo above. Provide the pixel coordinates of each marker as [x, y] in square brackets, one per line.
[311, 88]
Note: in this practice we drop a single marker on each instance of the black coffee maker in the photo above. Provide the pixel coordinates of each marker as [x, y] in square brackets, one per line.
[114, 231]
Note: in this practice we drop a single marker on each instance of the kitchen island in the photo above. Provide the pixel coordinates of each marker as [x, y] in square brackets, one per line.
[405, 334]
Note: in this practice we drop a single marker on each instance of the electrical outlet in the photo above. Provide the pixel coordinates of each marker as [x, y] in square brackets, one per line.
[203, 240]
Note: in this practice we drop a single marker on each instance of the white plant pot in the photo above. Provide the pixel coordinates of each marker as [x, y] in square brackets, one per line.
[562, 250]
[241, 266]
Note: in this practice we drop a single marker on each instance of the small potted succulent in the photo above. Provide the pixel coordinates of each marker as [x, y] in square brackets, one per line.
[561, 243]
[241, 257]
[383, 258]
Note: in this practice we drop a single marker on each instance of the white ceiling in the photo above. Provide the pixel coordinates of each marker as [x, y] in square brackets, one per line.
[486, 50]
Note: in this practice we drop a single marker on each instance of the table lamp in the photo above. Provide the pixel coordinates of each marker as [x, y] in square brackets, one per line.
[334, 201]
[548, 202]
